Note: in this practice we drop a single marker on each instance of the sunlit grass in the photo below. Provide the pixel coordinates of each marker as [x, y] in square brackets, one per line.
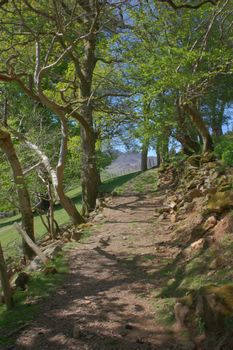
[10, 239]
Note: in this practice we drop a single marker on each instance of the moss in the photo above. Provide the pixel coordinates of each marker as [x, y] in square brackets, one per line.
[220, 201]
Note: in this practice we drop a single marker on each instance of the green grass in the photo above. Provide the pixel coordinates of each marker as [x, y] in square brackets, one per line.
[141, 183]
[10, 239]
[181, 276]
[40, 286]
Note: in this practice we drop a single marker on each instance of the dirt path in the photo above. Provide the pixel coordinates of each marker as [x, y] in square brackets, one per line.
[109, 291]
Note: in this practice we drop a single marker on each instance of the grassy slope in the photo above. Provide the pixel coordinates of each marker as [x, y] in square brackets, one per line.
[9, 237]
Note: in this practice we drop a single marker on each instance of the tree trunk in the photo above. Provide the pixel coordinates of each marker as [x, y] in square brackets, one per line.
[158, 156]
[5, 282]
[201, 127]
[69, 206]
[217, 119]
[33, 246]
[144, 157]
[90, 177]
[24, 200]
[189, 145]
[58, 174]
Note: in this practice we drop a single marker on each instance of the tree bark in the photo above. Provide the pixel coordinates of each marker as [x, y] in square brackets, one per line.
[32, 245]
[24, 199]
[201, 127]
[90, 177]
[5, 282]
[189, 145]
[217, 119]
[144, 157]
[158, 156]
[57, 175]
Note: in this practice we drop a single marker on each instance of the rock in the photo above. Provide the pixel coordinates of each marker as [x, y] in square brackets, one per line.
[173, 218]
[188, 207]
[22, 280]
[194, 248]
[172, 204]
[193, 184]
[216, 263]
[162, 216]
[77, 331]
[192, 194]
[210, 223]
[164, 210]
[210, 166]
[223, 227]
[35, 264]
[76, 235]
[194, 160]
[67, 235]
[53, 251]
[198, 245]
[98, 218]
[209, 190]
[208, 157]
[210, 240]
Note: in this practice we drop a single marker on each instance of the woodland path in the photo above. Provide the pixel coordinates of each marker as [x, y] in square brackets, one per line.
[109, 290]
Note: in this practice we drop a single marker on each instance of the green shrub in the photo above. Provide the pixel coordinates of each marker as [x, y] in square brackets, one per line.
[224, 149]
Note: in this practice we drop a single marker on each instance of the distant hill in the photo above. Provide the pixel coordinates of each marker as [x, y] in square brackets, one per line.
[127, 163]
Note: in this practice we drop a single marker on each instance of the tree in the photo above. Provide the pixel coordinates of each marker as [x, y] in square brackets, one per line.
[60, 75]
[175, 61]
[7, 147]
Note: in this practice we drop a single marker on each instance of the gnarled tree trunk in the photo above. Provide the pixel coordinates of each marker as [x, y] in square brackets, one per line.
[24, 199]
[200, 126]
[57, 175]
[189, 145]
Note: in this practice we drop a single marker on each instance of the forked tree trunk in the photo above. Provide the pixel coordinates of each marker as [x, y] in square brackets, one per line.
[201, 127]
[57, 175]
[24, 200]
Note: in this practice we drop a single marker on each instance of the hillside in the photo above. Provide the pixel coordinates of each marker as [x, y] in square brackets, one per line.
[143, 249]
[127, 163]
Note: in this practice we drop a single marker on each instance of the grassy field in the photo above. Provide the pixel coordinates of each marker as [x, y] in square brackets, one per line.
[10, 239]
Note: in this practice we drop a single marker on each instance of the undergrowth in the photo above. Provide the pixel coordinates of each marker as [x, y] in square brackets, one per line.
[40, 286]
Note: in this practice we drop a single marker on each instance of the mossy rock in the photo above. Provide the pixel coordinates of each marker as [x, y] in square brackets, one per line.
[208, 157]
[211, 165]
[194, 160]
[220, 201]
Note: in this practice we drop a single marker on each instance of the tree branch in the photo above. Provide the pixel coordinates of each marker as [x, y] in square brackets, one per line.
[176, 7]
